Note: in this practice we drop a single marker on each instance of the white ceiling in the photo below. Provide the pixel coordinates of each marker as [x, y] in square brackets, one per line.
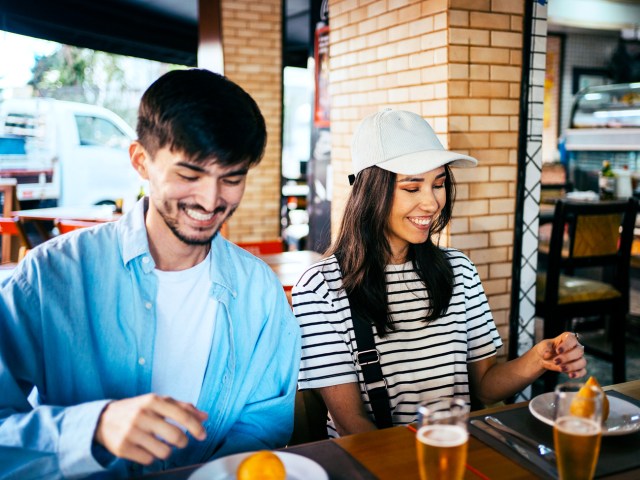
[594, 14]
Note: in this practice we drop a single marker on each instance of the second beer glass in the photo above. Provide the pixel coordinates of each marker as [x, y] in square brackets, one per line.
[442, 437]
[577, 430]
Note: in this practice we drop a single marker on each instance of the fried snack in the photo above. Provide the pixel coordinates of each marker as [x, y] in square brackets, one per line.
[262, 465]
[581, 408]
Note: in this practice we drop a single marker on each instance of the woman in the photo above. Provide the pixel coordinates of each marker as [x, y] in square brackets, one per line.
[431, 321]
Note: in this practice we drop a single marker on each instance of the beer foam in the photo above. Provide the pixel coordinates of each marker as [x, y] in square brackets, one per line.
[441, 435]
[577, 426]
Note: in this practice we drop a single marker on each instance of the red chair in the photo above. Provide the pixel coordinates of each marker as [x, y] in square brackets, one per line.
[11, 227]
[263, 248]
[66, 226]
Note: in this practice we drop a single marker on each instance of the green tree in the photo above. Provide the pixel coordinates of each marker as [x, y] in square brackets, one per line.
[77, 74]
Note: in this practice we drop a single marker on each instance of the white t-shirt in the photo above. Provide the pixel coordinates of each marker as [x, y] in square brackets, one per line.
[419, 360]
[184, 330]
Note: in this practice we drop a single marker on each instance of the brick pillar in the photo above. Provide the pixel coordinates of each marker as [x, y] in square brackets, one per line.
[457, 63]
[252, 43]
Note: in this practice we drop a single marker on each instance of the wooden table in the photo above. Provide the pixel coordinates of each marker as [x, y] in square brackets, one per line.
[95, 213]
[391, 454]
[288, 266]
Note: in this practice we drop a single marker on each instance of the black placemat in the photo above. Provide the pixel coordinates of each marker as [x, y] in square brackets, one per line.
[617, 453]
[505, 449]
[338, 463]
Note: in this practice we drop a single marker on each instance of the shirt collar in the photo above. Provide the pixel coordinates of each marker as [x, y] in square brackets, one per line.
[223, 271]
[132, 234]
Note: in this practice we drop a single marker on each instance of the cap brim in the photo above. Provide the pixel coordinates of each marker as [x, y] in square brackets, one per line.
[425, 161]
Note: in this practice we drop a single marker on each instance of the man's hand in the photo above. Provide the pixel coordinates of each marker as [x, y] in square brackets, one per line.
[563, 354]
[139, 428]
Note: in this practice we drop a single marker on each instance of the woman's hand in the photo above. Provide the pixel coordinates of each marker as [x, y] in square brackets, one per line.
[492, 382]
[563, 353]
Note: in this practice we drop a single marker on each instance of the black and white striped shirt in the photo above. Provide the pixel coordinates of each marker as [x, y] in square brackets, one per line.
[419, 360]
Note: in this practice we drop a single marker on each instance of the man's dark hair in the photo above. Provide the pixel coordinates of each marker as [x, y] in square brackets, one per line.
[204, 115]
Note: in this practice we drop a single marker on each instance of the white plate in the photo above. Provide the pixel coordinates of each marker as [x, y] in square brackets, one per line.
[297, 466]
[624, 417]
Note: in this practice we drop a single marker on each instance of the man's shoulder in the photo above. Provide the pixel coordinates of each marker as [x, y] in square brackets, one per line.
[80, 247]
[242, 271]
[244, 259]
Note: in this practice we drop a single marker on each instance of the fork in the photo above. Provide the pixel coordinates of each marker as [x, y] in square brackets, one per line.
[542, 449]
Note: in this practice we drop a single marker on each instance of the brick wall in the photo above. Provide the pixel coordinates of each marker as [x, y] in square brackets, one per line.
[252, 43]
[458, 64]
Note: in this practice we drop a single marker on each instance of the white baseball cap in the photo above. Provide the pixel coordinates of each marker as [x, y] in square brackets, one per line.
[401, 142]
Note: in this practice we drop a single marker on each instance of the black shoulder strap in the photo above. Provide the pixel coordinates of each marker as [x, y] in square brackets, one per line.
[369, 360]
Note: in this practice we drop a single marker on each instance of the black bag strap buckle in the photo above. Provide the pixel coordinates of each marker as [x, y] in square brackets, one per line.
[369, 387]
[368, 357]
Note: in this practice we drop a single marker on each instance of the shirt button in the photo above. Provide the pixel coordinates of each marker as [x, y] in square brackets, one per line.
[145, 259]
[141, 361]
[148, 305]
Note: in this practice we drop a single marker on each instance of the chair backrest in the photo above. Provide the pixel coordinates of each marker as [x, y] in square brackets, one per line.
[65, 226]
[310, 418]
[263, 248]
[12, 227]
[551, 192]
[591, 234]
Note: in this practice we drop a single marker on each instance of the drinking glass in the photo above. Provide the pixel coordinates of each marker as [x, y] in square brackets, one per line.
[577, 430]
[441, 438]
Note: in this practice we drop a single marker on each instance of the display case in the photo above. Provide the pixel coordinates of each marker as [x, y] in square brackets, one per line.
[605, 125]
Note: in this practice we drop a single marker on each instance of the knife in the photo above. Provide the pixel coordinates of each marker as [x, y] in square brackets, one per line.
[514, 444]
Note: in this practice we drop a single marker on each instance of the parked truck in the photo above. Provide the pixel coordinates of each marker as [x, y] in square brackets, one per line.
[66, 153]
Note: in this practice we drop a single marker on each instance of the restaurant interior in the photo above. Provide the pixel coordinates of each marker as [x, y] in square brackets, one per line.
[498, 79]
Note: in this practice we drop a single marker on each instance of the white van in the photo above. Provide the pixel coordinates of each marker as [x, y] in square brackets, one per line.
[84, 146]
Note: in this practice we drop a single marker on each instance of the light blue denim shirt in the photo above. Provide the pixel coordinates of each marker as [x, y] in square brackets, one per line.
[77, 321]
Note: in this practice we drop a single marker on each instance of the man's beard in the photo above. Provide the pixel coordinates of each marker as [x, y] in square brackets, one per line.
[197, 241]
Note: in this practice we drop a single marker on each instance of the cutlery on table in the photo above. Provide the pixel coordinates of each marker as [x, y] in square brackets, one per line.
[543, 463]
[543, 450]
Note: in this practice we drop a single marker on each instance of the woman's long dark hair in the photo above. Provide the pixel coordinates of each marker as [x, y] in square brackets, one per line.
[363, 251]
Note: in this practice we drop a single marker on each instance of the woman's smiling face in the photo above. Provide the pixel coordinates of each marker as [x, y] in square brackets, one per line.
[417, 201]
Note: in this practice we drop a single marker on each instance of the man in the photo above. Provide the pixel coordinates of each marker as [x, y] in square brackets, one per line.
[153, 342]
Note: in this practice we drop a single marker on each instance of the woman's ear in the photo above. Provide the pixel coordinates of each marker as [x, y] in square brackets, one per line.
[139, 158]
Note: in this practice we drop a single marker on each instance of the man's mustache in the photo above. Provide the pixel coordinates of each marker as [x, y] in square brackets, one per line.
[219, 209]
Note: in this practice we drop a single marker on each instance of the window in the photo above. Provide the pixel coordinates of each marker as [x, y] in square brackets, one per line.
[95, 131]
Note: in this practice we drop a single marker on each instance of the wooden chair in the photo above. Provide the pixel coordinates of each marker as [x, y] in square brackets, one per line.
[65, 226]
[11, 227]
[265, 247]
[588, 274]
[552, 192]
[310, 418]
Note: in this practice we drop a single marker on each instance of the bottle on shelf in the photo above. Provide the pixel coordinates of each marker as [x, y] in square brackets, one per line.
[607, 181]
[624, 184]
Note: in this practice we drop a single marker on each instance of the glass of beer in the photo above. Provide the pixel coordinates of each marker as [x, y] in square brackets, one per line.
[577, 430]
[441, 438]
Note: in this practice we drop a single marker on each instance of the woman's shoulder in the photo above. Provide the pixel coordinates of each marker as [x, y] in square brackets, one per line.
[458, 260]
[455, 256]
[325, 270]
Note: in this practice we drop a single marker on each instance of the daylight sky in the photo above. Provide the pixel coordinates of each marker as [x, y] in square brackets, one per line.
[17, 57]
